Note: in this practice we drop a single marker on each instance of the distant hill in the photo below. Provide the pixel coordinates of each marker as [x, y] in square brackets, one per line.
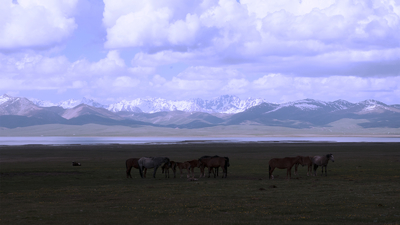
[307, 113]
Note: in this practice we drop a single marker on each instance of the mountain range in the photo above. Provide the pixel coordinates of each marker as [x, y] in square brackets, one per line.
[196, 113]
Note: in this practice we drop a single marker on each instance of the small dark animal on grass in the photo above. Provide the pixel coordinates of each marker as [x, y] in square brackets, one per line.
[132, 162]
[284, 163]
[307, 161]
[322, 161]
[165, 168]
[76, 164]
[152, 162]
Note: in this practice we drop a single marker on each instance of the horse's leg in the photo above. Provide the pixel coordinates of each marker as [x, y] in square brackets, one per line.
[201, 171]
[128, 171]
[226, 171]
[271, 169]
[295, 169]
[155, 170]
[315, 169]
[141, 171]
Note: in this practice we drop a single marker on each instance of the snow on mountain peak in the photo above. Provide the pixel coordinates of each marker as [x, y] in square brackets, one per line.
[4, 98]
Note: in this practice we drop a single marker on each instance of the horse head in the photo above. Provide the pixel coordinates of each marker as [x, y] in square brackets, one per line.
[330, 156]
[166, 160]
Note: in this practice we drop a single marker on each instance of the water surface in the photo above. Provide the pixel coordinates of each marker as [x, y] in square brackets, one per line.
[182, 140]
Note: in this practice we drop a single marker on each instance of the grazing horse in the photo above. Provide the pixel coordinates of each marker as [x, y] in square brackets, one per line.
[215, 162]
[182, 166]
[193, 164]
[132, 162]
[322, 161]
[152, 162]
[307, 161]
[283, 163]
[165, 168]
[213, 170]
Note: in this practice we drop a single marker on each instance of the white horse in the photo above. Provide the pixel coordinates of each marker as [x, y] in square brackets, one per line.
[152, 162]
[322, 161]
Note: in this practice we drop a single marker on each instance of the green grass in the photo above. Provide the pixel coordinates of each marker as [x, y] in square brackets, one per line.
[39, 186]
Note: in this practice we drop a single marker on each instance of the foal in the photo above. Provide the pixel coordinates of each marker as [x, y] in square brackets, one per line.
[182, 166]
[307, 161]
[165, 169]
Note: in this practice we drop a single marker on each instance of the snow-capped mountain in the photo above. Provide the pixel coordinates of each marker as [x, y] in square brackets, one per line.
[16, 106]
[196, 113]
[223, 104]
[71, 103]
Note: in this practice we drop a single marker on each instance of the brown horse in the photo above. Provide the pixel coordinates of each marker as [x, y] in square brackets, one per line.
[182, 166]
[214, 162]
[193, 164]
[165, 168]
[307, 161]
[132, 162]
[283, 163]
[213, 170]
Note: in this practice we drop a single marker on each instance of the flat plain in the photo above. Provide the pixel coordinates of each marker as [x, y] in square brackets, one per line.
[39, 185]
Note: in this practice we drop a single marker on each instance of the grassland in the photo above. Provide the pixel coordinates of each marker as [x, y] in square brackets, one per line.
[40, 186]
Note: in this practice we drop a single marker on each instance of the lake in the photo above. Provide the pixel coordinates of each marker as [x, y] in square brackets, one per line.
[181, 140]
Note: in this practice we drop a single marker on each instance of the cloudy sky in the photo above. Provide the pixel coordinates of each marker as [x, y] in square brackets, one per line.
[279, 50]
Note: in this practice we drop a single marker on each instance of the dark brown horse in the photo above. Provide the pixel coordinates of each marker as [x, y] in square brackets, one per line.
[214, 163]
[307, 161]
[182, 166]
[132, 162]
[165, 168]
[213, 170]
[283, 163]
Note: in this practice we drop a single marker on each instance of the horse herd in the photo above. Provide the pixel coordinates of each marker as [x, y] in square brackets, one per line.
[213, 163]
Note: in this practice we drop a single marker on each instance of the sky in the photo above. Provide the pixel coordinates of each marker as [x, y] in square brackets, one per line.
[278, 50]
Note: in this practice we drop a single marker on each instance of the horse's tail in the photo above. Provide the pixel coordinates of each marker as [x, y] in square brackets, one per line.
[128, 169]
[140, 168]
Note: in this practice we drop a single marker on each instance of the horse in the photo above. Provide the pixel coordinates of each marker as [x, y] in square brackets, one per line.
[152, 162]
[322, 161]
[213, 170]
[132, 162]
[165, 168]
[182, 166]
[215, 162]
[283, 163]
[193, 164]
[307, 161]
[76, 164]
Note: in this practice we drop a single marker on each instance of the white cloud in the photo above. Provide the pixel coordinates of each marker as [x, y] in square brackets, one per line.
[228, 33]
[35, 23]
[208, 73]
[38, 72]
[281, 88]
